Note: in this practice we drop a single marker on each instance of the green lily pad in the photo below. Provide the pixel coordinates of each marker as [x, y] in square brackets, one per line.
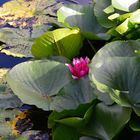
[118, 74]
[38, 82]
[64, 42]
[107, 121]
[82, 17]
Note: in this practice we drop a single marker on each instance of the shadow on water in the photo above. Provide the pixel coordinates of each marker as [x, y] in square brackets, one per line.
[10, 61]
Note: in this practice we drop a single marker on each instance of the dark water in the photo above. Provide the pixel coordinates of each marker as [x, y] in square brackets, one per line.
[3, 1]
[10, 61]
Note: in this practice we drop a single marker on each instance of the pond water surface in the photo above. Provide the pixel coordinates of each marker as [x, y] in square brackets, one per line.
[9, 61]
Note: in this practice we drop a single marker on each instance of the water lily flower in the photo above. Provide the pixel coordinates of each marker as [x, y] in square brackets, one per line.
[79, 67]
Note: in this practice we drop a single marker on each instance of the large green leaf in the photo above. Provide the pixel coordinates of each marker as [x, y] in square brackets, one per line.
[38, 82]
[134, 123]
[121, 76]
[66, 133]
[123, 27]
[135, 17]
[107, 121]
[126, 5]
[64, 41]
[73, 94]
[87, 138]
[118, 74]
[76, 121]
[83, 18]
[100, 12]
[78, 112]
[116, 49]
[72, 119]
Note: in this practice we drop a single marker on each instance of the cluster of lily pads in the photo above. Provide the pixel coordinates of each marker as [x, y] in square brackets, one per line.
[83, 80]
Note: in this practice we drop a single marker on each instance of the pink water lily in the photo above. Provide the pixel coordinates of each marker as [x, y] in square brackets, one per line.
[79, 67]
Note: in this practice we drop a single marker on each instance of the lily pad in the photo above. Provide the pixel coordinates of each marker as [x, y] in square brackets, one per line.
[23, 21]
[107, 121]
[38, 82]
[118, 74]
[56, 42]
[82, 17]
[100, 12]
[73, 94]
[127, 5]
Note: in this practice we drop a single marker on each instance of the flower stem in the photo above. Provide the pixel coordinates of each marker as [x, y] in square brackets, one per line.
[93, 48]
